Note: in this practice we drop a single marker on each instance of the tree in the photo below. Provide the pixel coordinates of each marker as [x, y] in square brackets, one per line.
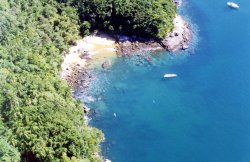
[8, 153]
[151, 18]
[45, 122]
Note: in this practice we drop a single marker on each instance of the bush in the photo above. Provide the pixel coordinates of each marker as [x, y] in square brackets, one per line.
[85, 28]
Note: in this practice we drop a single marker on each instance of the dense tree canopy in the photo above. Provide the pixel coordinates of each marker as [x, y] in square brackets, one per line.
[8, 153]
[36, 107]
[146, 18]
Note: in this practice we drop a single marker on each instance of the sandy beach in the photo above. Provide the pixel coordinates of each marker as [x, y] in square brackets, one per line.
[100, 50]
[89, 52]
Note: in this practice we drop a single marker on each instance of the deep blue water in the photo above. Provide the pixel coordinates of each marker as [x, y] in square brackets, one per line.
[203, 115]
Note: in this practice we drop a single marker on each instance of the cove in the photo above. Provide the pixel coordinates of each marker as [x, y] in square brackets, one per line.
[203, 115]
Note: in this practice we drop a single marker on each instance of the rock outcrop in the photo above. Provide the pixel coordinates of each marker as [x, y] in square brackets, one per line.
[107, 64]
[179, 37]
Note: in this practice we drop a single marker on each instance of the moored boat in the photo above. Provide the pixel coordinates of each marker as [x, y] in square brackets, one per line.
[170, 75]
[233, 5]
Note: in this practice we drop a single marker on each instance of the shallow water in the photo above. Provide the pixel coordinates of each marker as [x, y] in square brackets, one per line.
[203, 115]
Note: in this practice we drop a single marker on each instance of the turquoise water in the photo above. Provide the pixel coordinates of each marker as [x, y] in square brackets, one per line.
[203, 115]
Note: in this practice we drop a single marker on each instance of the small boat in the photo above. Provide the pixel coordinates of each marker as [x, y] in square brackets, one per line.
[107, 160]
[170, 75]
[233, 5]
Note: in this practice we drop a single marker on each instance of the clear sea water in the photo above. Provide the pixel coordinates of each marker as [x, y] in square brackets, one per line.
[203, 115]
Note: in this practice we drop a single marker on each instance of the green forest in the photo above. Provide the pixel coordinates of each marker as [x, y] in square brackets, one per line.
[39, 119]
[144, 18]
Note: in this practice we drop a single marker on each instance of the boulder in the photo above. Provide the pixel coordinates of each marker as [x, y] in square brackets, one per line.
[107, 64]
[86, 110]
[84, 54]
[171, 35]
[178, 3]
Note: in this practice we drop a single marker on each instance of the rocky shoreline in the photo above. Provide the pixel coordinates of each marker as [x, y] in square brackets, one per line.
[96, 47]
[77, 61]
[76, 64]
[176, 40]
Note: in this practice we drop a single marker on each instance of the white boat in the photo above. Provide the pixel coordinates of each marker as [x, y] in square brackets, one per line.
[233, 5]
[107, 160]
[170, 75]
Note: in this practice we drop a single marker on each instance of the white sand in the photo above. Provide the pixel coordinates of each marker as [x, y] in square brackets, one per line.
[98, 48]
[102, 48]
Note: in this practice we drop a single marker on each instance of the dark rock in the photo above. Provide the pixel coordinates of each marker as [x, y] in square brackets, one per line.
[84, 54]
[178, 3]
[86, 110]
[107, 64]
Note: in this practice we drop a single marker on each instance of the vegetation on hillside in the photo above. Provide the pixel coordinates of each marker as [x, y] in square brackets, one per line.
[39, 119]
[145, 18]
